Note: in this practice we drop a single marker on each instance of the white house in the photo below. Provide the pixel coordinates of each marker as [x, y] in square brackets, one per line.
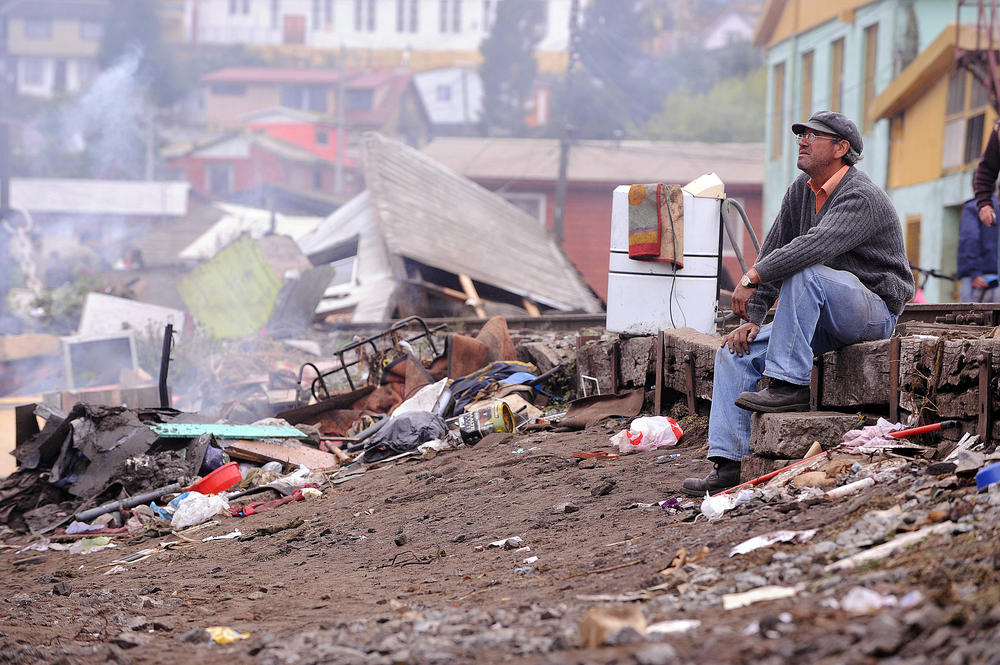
[452, 97]
[419, 33]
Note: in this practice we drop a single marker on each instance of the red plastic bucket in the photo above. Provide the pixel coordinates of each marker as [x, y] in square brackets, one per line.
[219, 480]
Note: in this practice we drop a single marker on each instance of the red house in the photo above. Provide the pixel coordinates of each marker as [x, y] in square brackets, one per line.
[259, 169]
[313, 132]
[525, 172]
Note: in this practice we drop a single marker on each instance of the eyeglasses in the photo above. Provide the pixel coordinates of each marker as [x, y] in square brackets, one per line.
[809, 137]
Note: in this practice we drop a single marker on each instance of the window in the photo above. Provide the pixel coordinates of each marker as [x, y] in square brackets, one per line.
[837, 74]
[305, 97]
[219, 178]
[246, 6]
[450, 16]
[965, 120]
[317, 179]
[778, 110]
[33, 72]
[316, 18]
[358, 100]
[328, 11]
[407, 13]
[91, 31]
[533, 204]
[443, 93]
[275, 12]
[228, 89]
[233, 6]
[871, 53]
[38, 28]
[364, 15]
[322, 137]
[807, 78]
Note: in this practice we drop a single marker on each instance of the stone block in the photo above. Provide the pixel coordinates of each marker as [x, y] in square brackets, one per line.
[789, 435]
[856, 375]
[678, 344]
[638, 361]
[595, 358]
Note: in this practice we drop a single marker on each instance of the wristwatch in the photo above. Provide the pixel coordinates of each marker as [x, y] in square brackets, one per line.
[745, 281]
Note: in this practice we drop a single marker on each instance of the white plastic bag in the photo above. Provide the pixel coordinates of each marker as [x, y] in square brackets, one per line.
[197, 508]
[648, 433]
[713, 507]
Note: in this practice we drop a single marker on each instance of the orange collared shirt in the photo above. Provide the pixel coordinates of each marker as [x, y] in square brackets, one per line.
[823, 193]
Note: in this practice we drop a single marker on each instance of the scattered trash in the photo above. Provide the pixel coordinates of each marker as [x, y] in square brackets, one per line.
[648, 433]
[225, 634]
[599, 623]
[508, 543]
[731, 601]
[988, 475]
[197, 508]
[674, 627]
[850, 488]
[89, 545]
[895, 545]
[713, 507]
[229, 536]
[859, 600]
[531, 559]
[765, 540]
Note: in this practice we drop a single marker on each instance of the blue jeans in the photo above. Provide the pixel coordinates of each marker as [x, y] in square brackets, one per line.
[819, 309]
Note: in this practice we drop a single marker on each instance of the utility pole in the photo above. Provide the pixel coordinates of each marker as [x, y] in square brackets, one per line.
[574, 55]
[341, 137]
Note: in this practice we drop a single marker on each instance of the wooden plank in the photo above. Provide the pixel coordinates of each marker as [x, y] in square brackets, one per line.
[530, 307]
[473, 295]
[259, 451]
[658, 385]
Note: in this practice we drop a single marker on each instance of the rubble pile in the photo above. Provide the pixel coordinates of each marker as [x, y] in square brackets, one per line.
[441, 508]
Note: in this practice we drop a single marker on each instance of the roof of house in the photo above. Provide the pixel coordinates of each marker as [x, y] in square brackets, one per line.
[56, 9]
[282, 148]
[770, 21]
[599, 161]
[426, 212]
[934, 62]
[272, 75]
[237, 220]
[279, 114]
[383, 105]
[100, 197]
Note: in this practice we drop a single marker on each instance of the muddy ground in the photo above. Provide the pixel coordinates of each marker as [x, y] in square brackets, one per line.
[394, 567]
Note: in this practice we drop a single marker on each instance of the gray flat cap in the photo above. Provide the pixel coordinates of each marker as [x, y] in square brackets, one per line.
[831, 122]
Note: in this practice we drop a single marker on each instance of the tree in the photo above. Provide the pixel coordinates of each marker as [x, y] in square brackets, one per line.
[732, 110]
[618, 84]
[509, 68]
[133, 27]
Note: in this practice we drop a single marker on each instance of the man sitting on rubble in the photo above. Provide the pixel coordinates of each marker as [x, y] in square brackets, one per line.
[834, 260]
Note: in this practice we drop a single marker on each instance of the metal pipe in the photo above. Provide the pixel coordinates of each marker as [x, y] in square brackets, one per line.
[130, 502]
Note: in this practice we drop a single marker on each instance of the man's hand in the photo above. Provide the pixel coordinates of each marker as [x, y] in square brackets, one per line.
[979, 282]
[739, 340]
[740, 298]
[987, 215]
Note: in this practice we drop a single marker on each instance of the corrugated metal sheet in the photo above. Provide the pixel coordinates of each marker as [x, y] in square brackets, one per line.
[618, 162]
[428, 213]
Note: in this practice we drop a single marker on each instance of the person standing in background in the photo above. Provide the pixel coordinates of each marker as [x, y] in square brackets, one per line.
[984, 185]
[977, 254]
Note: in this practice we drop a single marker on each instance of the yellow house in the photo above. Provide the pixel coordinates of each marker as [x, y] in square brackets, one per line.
[940, 117]
[52, 45]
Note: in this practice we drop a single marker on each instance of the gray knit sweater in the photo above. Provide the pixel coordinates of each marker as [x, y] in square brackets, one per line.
[856, 230]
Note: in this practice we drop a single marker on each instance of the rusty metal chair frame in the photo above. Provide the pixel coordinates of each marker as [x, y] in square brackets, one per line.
[391, 334]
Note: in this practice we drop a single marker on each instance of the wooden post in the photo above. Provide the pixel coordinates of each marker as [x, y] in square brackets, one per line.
[894, 379]
[470, 292]
[658, 385]
[985, 425]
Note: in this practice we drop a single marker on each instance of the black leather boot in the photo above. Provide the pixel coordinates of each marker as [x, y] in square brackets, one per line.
[778, 397]
[726, 474]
